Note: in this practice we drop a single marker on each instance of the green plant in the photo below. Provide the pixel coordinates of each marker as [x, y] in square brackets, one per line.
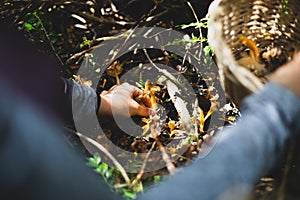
[102, 169]
[41, 30]
[36, 27]
[202, 23]
[86, 42]
[208, 51]
[114, 179]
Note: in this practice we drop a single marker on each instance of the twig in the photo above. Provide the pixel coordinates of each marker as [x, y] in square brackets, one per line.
[107, 153]
[100, 39]
[148, 19]
[200, 31]
[125, 35]
[139, 176]
[153, 129]
[196, 116]
[79, 54]
[101, 19]
[49, 40]
[165, 73]
[145, 16]
[128, 33]
[170, 166]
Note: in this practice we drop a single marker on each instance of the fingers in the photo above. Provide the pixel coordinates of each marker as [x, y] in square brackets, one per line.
[143, 98]
[134, 93]
[142, 111]
[127, 92]
[147, 101]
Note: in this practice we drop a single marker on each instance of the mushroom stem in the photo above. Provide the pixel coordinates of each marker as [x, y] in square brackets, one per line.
[117, 80]
[254, 52]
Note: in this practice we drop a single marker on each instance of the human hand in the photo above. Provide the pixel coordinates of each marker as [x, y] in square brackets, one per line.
[289, 75]
[120, 99]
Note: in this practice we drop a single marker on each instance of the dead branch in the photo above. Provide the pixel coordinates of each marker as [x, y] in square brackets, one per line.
[107, 153]
[139, 176]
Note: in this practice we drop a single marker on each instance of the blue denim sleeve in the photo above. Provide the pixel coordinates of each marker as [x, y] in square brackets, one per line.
[36, 162]
[243, 154]
[81, 102]
[85, 102]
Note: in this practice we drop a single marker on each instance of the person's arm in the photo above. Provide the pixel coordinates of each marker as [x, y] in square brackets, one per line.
[36, 162]
[245, 152]
[289, 75]
[83, 102]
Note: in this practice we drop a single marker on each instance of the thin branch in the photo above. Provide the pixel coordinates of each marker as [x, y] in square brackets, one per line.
[166, 73]
[49, 40]
[200, 31]
[80, 54]
[100, 39]
[139, 176]
[101, 19]
[166, 158]
[107, 153]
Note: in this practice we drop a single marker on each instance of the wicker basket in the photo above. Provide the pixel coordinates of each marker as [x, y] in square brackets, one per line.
[251, 39]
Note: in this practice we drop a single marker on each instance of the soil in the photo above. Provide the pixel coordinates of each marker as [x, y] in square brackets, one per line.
[85, 21]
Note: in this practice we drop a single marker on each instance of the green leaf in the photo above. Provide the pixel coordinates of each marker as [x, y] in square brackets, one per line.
[208, 51]
[156, 179]
[129, 194]
[94, 161]
[98, 171]
[37, 24]
[108, 174]
[111, 181]
[86, 42]
[141, 82]
[139, 188]
[97, 158]
[103, 167]
[28, 26]
[53, 40]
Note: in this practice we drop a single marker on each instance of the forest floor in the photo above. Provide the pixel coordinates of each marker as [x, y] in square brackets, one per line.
[72, 31]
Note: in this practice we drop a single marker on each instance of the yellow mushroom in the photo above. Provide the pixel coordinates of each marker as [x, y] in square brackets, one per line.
[114, 70]
[153, 90]
[254, 52]
[252, 62]
[147, 86]
[146, 126]
[171, 125]
[201, 120]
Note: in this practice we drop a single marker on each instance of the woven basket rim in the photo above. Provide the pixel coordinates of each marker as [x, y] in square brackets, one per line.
[225, 58]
